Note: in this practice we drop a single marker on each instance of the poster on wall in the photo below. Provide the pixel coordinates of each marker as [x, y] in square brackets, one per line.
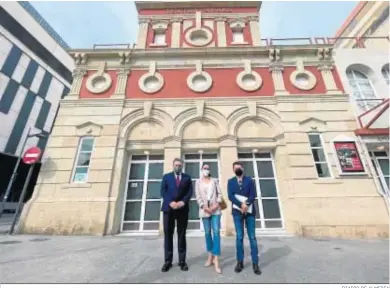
[348, 157]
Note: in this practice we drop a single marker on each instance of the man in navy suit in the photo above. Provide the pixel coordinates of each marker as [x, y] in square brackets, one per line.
[242, 187]
[176, 191]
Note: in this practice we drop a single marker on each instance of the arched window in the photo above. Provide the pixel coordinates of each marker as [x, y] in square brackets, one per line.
[363, 91]
[385, 73]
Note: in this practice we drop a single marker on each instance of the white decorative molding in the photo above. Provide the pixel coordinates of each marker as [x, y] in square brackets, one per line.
[121, 83]
[148, 106]
[160, 25]
[124, 58]
[238, 24]
[249, 80]
[252, 108]
[200, 108]
[312, 124]
[100, 81]
[198, 35]
[274, 55]
[80, 59]
[88, 129]
[152, 81]
[199, 81]
[309, 81]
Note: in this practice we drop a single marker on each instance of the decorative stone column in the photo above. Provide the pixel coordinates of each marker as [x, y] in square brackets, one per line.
[327, 75]
[255, 30]
[118, 184]
[120, 89]
[228, 154]
[221, 31]
[277, 77]
[78, 75]
[142, 33]
[176, 30]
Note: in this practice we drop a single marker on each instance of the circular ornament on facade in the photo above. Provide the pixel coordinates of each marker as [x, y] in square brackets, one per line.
[250, 82]
[303, 80]
[199, 36]
[199, 82]
[99, 83]
[151, 82]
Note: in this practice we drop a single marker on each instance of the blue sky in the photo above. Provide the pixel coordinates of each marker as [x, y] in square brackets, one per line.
[83, 24]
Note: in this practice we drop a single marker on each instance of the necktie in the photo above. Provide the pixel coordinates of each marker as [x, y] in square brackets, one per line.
[177, 180]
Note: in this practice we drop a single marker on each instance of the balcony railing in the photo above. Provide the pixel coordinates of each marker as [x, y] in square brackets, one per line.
[357, 42]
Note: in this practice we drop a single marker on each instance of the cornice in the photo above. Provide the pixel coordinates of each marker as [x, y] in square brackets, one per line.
[108, 102]
[220, 101]
[260, 56]
[169, 17]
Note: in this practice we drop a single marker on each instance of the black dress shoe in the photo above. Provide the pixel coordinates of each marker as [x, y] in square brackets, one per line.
[183, 266]
[256, 269]
[166, 267]
[239, 267]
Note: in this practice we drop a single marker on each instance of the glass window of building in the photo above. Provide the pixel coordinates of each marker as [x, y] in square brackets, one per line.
[260, 166]
[83, 158]
[319, 157]
[238, 36]
[385, 73]
[362, 88]
[142, 205]
[192, 166]
[159, 37]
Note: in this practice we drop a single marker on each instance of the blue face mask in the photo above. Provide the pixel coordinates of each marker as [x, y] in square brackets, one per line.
[178, 169]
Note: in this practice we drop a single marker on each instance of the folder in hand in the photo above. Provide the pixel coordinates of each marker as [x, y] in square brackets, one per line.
[242, 198]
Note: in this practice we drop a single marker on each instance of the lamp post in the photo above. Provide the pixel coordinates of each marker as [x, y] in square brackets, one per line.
[14, 173]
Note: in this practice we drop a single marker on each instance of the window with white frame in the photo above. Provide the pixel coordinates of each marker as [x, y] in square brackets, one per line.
[238, 35]
[363, 90]
[141, 212]
[260, 167]
[319, 156]
[83, 158]
[192, 166]
[385, 73]
[159, 37]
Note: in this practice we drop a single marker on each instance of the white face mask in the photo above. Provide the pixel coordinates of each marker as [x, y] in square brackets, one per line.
[206, 172]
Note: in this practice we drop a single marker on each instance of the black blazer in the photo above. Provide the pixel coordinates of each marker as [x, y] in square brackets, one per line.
[170, 192]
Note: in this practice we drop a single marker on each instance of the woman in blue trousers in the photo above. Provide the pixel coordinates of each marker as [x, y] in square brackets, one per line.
[209, 197]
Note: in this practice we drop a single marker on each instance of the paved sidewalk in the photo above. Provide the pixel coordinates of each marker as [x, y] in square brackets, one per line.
[32, 259]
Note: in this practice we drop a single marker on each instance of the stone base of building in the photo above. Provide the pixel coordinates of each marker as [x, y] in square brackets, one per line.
[94, 218]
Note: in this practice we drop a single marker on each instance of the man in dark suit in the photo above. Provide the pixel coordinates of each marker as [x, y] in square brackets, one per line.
[176, 191]
[242, 194]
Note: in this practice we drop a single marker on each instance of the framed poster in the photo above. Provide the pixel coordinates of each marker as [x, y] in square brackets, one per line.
[348, 157]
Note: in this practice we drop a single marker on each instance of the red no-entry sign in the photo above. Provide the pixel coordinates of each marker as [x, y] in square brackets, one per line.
[32, 155]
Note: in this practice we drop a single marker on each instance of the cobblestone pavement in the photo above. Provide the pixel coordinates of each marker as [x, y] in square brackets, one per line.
[115, 259]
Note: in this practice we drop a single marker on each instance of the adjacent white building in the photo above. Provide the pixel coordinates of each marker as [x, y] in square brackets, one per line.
[35, 73]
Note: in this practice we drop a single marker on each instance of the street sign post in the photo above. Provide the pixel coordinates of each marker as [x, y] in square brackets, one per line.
[32, 155]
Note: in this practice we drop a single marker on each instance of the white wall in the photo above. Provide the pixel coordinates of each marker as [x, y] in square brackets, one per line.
[371, 61]
[31, 25]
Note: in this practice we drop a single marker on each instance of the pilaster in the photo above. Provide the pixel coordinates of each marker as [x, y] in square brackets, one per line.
[221, 31]
[78, 75]
[228, 154]
[277, 77]
[120, 89]
[142, 33]
[255, 30]
[327, 75]
[176, 29]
